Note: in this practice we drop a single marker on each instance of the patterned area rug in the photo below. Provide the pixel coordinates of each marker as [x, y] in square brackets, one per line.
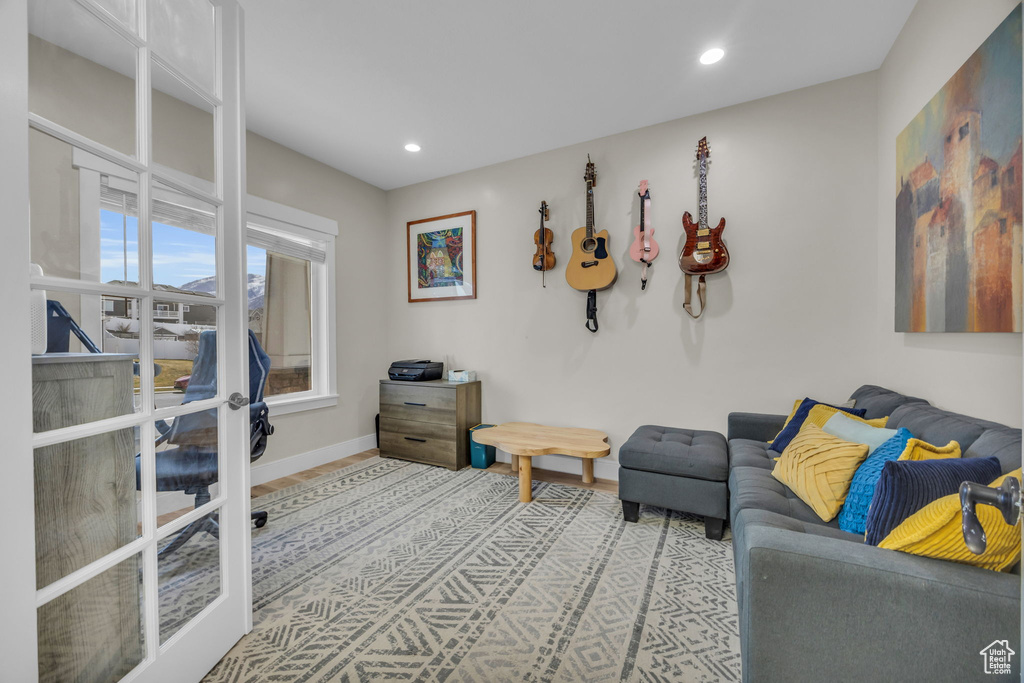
[393, 570]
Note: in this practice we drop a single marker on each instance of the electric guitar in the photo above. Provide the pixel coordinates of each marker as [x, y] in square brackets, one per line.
[704, 251]
[591, 265]
[644, 249]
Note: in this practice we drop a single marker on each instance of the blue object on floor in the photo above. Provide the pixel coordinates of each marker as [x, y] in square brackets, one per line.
[480, 456]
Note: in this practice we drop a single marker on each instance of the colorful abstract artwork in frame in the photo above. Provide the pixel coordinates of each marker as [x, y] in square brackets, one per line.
[958, 204]
[442, 257]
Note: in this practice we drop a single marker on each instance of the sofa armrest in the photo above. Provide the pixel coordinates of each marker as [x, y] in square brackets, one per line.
[755, 426]
[819, 608]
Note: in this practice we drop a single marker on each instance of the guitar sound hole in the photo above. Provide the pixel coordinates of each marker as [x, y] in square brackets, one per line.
[589, 244]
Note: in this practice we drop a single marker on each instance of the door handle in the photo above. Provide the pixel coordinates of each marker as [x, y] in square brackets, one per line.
[410, 403]
[236, 401]
[413, 438]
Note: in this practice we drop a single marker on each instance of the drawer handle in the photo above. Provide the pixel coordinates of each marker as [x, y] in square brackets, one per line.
[410, 403]
[411, 438]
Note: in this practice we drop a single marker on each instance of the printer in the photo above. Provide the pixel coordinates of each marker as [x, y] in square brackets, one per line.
[416, 370]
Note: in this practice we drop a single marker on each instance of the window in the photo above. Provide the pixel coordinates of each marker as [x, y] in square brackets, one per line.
[290, 258]
[290, 287]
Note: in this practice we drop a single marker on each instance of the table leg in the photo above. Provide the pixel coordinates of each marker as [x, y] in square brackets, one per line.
[525, 480]
[588, 471]
[515, 462]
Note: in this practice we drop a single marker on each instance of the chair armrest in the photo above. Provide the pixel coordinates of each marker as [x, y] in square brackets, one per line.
[820, 608]
[755, 426]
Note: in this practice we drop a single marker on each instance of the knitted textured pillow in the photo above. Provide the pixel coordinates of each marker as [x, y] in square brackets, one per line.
[936, 530]
[797, 421]
[853, 517]
[818, 467]
[922, 450]
[907, 486]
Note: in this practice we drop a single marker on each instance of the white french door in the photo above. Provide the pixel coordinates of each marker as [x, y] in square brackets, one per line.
[126, 100]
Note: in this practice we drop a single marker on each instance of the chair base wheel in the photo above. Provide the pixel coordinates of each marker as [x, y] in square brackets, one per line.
[260, 519]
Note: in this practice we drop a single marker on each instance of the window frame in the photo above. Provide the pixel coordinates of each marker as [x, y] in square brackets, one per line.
[268, 216]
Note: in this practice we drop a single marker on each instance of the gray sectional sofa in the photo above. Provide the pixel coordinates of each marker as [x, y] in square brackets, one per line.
[816, 603]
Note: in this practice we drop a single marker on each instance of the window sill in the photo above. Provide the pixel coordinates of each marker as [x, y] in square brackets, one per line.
[283, 405]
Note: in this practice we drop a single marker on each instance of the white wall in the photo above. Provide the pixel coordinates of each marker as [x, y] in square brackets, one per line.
[978, 374]
[796, 177]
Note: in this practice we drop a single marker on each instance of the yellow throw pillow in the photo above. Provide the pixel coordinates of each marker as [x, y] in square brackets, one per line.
[922, 450]
[818, 468]
[820, 414]
[936, 531]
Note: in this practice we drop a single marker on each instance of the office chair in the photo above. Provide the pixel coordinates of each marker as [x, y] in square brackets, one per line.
[191, 467]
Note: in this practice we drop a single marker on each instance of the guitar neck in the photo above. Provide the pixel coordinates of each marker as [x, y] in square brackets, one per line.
[643, 201]
[703, 208]
[590, 210]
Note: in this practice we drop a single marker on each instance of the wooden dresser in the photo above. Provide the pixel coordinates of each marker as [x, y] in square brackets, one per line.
[428, 422]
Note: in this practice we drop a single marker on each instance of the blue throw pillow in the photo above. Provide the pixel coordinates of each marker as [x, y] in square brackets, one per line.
[790, 430]
[853, 517]
[906, 486]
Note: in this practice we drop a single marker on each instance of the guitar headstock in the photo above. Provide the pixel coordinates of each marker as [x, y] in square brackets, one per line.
[642, 190]
[590, 176]
[703, 151]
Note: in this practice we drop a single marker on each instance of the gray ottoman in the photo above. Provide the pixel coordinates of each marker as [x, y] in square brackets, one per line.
[678, 469]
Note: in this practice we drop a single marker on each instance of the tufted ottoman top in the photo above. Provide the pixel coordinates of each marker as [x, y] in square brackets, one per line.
[693, 453]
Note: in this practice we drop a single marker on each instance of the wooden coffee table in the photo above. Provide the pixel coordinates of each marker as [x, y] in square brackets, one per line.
[523, 440]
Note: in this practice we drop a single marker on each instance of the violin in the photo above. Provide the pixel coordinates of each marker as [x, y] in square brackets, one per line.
[544, 259]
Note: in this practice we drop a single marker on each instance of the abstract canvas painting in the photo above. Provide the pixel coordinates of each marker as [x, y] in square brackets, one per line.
[958, 204]
[442, 257]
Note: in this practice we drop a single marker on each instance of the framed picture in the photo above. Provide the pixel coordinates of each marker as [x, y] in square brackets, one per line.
[958, 201]
[441, 255]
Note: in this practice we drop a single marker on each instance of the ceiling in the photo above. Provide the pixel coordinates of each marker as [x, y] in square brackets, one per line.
[476, 82]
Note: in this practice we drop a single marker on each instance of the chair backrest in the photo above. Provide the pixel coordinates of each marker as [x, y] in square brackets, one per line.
[59, 326]
[200, 429]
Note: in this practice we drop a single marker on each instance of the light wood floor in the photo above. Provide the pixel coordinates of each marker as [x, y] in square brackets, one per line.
[605, 485]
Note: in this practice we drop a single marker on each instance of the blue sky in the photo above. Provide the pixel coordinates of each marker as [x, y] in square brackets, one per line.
[179, 255]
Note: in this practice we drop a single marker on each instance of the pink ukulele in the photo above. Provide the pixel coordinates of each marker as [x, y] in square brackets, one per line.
[644, 249]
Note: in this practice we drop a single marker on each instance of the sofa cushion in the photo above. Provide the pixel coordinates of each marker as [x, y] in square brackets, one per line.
[754, 488]
[854, 514]
[938, 426]
[692, 453]
[749, 453]
[1003, 443]
[878, 401]
[907, 486]
[936, 530]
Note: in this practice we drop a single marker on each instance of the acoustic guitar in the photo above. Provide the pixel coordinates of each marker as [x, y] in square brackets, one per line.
[590, 266]
[704, 252]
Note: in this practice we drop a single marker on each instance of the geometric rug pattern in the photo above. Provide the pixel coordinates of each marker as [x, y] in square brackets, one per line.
[390, 570]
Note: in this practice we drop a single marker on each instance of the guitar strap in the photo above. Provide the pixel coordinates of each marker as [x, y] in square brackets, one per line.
[646, 229]
[701, 294]
[592, 310]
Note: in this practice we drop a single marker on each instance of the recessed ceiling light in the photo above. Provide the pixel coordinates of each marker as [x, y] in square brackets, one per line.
[712, 55]
[412, 147]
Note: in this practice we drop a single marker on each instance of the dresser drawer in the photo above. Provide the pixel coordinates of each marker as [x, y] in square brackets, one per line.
[419, 403]
[434, 443]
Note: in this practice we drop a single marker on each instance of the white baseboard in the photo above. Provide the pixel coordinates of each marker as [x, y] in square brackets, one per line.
[261, 473]
[603, 467]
